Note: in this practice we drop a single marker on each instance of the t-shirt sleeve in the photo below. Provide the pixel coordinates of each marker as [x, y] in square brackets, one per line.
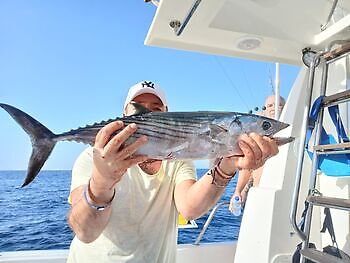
[186, 171]
[82, 169]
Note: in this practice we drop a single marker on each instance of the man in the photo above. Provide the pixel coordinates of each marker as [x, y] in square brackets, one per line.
[269, 110]
[125, 207]
[247, 177]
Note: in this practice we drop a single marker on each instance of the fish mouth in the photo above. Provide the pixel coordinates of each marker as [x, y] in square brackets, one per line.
[283, 125]
[283, 140]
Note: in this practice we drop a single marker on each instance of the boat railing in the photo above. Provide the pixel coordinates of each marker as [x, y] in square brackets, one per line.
[331, 12]
[154, 2]
[329, 55]
[210, 218]
[179, 26]
[314, 198]
[300, 160]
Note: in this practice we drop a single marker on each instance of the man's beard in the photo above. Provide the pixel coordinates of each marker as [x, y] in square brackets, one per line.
[149, 161]
[148, 167]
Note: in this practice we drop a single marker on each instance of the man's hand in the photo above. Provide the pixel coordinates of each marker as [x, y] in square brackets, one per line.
[111, 160]
[256, 149]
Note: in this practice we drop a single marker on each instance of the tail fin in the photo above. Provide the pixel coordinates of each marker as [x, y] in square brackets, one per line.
[42, 140]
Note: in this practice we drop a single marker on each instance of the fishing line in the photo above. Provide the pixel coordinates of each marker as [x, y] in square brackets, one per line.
[247, 82]
[231, 82]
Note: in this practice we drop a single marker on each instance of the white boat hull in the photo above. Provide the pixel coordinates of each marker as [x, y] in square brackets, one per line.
[210, 252]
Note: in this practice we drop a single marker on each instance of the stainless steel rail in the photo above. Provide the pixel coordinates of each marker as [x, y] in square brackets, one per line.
[327, 56]
[207, 223]
[330, 202]
[314, 165]
[323, 27]
[154, 2]
[304, 126]
[336, 98]
[180, 26]
[331, 55]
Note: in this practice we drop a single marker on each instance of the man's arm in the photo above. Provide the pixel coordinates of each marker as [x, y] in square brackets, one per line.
[243, 178]
[86, 222]
[193, 199]
[110, 162]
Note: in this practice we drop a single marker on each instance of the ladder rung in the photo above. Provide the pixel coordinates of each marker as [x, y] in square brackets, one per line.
[337, 51]
[336, 98]
[333, 147]
[320, 257]
[331, 202]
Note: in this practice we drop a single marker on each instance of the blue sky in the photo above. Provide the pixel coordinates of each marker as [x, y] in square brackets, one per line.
[70, 63]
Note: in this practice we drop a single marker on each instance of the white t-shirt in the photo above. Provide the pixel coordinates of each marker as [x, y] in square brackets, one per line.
[143, 224]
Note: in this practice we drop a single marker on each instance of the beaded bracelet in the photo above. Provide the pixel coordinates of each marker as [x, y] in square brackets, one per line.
[92, 205]
[225, 178]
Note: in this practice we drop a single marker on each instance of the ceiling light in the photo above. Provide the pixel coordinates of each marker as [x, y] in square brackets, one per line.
[248, 42]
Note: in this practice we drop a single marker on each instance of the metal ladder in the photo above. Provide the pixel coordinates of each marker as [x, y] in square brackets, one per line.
[324, 58]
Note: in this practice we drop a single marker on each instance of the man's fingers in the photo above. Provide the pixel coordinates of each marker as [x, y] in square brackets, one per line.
[273, 146]
[253, 145]
[104, 135]
[248, 157]
[256, 149]
[114, 144]
[265, 145]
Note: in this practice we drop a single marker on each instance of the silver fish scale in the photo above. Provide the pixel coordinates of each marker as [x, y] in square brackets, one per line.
[161, 126]
[194, 135]
[174, 125]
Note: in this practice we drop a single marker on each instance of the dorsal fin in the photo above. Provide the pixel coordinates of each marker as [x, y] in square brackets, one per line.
[139, 109]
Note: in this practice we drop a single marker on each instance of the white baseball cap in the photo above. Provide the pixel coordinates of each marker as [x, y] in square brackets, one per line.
[145, 87]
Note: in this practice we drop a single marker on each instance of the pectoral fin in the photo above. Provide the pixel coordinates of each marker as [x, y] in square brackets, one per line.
[177, 150]
[217, 132]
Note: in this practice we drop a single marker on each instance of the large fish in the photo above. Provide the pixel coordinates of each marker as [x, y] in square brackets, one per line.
[171, 135]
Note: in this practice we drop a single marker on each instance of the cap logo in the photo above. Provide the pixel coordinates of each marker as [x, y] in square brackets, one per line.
[148, 84]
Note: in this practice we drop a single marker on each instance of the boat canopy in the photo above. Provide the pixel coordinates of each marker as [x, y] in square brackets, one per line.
[268, 30]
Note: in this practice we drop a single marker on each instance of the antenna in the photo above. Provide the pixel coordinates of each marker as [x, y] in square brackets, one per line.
[271, 82]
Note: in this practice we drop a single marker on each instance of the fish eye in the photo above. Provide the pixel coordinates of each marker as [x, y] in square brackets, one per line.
[266, 125]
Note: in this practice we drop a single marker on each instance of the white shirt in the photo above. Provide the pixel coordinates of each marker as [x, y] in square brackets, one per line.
[143, 224]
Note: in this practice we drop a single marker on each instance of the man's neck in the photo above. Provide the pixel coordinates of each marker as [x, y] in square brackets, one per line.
[151, 166]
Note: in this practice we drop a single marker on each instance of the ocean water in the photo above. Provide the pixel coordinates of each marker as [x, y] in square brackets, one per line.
[34, 217]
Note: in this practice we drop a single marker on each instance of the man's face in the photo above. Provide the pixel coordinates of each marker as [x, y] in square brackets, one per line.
[148, 100]
[270, 106]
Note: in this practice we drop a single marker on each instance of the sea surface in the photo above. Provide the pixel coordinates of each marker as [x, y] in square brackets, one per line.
[34, 217]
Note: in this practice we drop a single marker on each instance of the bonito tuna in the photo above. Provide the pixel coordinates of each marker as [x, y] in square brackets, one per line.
[171, 135]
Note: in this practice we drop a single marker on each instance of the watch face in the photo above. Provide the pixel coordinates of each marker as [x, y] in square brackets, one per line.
[308, 57]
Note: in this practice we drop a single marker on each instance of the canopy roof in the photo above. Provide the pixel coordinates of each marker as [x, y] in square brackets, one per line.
[269, 30]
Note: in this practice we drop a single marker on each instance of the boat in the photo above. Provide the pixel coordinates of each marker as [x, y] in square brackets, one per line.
[313, 34]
